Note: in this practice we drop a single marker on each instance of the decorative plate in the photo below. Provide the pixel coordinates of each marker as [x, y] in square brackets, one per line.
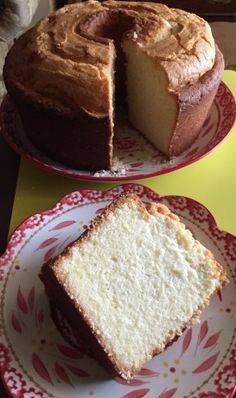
[36, 361]
[134, 156]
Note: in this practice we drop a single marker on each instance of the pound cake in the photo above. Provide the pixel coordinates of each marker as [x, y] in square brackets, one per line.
[132, 283]
[67, 75]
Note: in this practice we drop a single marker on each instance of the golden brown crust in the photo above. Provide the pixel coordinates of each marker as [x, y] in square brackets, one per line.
[62, 69]
[194, 105]
[76, 315]
[67, 57]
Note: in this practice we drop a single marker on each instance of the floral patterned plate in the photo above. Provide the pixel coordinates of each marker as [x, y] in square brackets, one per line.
[36, 361]
[134, 157]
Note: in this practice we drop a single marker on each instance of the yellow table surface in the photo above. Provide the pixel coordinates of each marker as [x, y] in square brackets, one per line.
[211, 181]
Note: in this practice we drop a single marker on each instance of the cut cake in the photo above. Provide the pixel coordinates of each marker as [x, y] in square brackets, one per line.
[83, 60]
[132, 282]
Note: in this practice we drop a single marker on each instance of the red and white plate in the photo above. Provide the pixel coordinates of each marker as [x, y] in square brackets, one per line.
[135, 157]
[36, 361]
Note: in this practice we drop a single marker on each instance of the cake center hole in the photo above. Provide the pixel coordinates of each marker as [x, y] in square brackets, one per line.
[110, 24]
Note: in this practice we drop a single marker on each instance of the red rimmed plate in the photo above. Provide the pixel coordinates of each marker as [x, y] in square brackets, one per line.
[35, 360]
[135, 158]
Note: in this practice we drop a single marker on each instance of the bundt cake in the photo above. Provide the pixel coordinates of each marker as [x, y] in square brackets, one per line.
[68, 73]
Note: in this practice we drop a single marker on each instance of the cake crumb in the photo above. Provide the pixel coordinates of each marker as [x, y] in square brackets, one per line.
[118, 168]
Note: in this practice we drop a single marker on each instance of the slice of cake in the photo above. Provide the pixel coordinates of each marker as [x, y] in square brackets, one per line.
[132, 282]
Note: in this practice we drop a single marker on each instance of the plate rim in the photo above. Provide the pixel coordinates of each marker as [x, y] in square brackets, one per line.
[124, 187]
[72, 174]
[56, 209]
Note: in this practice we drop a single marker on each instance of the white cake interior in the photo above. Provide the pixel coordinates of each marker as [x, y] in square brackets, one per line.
[153, 110]
[140, 278]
